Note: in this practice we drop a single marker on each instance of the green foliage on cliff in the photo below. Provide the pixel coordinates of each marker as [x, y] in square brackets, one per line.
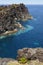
[22, 60]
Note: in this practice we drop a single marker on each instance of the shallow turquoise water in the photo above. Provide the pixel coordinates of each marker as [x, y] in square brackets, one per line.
[27, 28]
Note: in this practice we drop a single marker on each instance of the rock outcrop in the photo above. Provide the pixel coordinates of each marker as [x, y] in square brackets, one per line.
[6, 61]
[10, 17]
[31, 54]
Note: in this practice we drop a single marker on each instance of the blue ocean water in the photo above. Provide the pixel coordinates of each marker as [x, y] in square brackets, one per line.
[31, 37]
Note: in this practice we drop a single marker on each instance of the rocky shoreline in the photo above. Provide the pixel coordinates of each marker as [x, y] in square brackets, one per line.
[10, 17]
[34, 56]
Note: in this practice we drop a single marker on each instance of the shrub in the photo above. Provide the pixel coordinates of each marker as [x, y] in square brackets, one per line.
[23, 60]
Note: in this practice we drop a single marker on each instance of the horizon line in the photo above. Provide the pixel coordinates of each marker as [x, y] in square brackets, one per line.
[20, 3]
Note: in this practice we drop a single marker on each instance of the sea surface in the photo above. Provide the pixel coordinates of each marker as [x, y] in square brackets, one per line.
[31, 37]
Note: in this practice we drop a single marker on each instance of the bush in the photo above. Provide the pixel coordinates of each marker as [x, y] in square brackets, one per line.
[23, 60]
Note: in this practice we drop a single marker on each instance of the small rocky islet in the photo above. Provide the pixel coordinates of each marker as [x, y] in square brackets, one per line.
[11, 16]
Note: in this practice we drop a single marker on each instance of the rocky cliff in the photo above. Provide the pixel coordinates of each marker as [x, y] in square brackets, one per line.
[10, 17]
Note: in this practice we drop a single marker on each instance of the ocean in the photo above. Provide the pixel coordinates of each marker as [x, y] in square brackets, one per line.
[32, 37]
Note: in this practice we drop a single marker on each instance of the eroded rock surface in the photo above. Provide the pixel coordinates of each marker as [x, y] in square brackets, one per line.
[31, 54]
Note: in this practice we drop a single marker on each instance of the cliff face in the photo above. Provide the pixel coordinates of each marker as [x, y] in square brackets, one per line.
[11, 15]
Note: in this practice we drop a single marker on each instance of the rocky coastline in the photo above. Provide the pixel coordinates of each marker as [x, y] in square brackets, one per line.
[10, 17]
[26, 56]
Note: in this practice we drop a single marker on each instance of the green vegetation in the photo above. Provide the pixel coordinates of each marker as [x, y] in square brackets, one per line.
[22, 60]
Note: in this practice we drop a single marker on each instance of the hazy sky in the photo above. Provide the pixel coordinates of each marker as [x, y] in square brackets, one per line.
[21, 1]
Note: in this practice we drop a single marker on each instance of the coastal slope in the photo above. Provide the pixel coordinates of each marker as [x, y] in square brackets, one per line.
[10, 17]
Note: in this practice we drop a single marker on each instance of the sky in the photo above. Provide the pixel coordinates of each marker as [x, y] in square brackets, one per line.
[21, 1]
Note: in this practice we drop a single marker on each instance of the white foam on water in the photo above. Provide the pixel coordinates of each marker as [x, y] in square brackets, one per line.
[27, 28]
[1, 37]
